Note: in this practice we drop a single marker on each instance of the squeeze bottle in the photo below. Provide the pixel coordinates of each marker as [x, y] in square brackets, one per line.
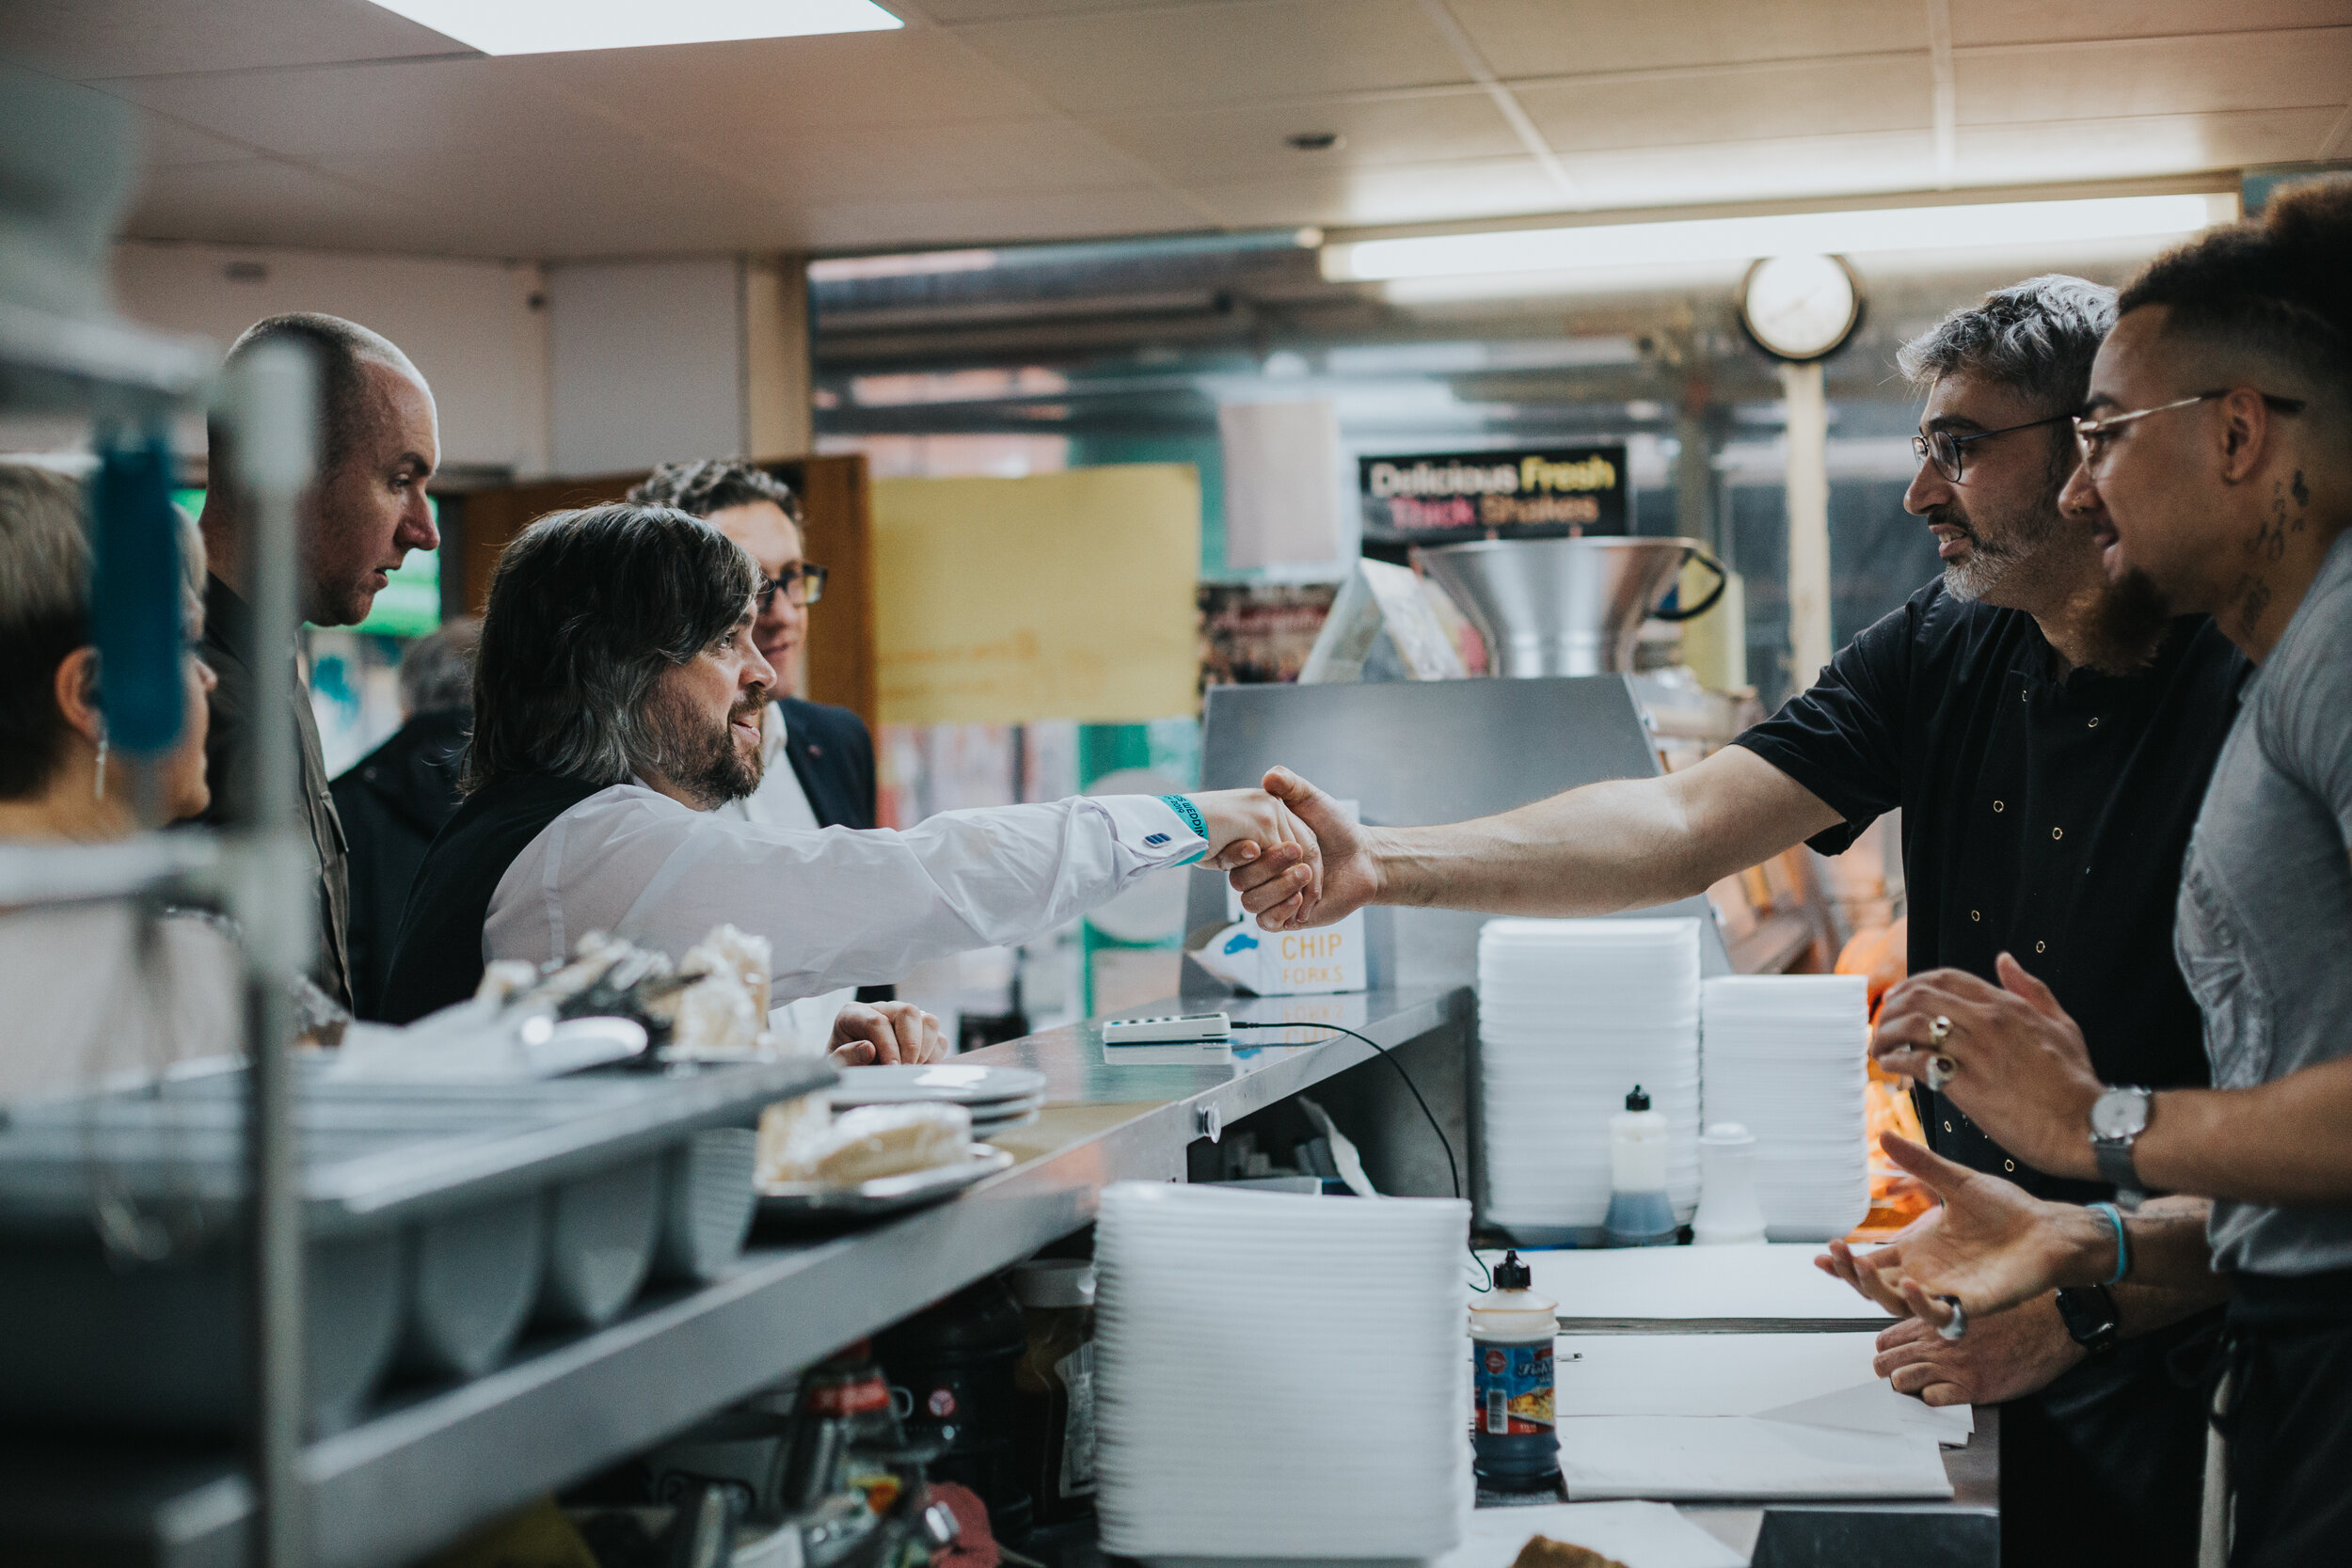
[1638, 1212]
[1514, 1443]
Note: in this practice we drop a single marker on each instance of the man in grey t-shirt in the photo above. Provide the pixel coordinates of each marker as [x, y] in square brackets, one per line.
[2217, 470]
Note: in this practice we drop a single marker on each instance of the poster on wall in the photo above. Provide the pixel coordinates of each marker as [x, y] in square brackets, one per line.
[1446, 497]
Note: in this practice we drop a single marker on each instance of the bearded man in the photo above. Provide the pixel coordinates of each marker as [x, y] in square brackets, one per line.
[617, 701]
[2047, 737]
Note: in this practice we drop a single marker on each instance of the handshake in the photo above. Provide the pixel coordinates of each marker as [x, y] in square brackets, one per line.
[1289, 850]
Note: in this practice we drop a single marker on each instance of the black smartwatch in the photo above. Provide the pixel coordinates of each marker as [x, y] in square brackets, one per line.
[2091, 1319]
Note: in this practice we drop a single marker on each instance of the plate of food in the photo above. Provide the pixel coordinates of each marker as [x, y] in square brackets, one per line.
[874, 1159]
[881, 1195]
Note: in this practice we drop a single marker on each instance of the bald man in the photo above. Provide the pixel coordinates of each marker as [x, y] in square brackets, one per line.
[380, 441]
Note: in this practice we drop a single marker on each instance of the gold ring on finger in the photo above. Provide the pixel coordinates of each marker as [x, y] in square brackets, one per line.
[1939, 1030]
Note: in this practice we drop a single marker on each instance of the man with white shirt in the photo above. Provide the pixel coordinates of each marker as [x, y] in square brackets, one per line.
[817, 760]
[617, 705]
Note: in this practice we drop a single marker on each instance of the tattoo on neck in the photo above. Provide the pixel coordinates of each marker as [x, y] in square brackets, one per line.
[2247, 601]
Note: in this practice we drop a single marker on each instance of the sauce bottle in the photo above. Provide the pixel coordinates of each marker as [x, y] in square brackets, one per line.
[1514, 1443]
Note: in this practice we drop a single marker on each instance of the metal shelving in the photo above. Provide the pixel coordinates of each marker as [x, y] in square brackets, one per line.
[419, 1473]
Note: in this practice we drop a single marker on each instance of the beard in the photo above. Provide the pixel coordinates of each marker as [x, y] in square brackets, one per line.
[1994, 557]
[2123, 628]
[701, 759]
[2127, 624]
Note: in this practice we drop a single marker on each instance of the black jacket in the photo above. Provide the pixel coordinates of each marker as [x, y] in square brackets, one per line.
[436, 957]
[392, 802]
[833, 756]
[243, 696]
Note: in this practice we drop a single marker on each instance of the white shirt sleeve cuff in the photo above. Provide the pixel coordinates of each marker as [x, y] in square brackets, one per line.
[1150, 828]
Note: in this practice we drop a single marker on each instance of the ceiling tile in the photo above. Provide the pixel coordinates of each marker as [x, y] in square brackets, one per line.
[263, 201]
[1577, 37]
[2157, 76]
[1980, 21]
[1764, 103]
[85, 40]
[167, 143]
[2140, 145]
[326, 111]
[1246, 143]
[1115, 61]
[1410, 193]
[923, 162]
[979, 220]
[949, 13]
[1754, 171]
[552, 202]
[730, 91]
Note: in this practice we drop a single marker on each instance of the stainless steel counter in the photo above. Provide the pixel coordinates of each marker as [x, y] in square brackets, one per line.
[436, 1463]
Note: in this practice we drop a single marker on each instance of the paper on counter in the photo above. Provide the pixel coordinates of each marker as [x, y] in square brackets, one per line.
[1638, 1534]
[1734, 1458]
[1821, 1379]
[1762, 1280]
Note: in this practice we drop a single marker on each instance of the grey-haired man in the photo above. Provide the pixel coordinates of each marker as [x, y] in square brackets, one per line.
[2047, 737]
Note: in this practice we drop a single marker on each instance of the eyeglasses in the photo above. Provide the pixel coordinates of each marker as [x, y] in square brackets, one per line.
[2096, 437]
[1943, 447]
[802, 584]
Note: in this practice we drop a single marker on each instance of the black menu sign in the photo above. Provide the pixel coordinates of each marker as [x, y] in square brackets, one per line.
[1445, 497]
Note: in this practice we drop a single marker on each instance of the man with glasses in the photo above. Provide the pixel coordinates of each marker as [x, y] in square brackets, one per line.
[2217, 474]
[2046, 736]
[827, 780]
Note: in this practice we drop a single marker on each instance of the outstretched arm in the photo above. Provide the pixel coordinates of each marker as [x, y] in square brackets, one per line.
[1624, 844]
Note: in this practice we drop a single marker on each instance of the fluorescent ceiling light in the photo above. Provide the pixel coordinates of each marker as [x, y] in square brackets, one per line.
[912, 263]
[1703, 240]
[547, 26]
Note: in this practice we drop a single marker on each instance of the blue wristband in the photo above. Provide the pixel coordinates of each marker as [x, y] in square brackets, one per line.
[1191, 817]
[2122, 1244]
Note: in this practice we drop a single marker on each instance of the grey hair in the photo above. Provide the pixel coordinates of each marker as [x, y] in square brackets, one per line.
[2037, 337]
[436, 671]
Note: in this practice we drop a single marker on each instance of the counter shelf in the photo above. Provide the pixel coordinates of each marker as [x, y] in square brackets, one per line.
[427, 1466]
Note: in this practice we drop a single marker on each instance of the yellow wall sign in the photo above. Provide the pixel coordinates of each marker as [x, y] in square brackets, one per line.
[1068, 596]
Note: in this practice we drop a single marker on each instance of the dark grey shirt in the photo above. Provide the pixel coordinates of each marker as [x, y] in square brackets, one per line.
[2263, 931]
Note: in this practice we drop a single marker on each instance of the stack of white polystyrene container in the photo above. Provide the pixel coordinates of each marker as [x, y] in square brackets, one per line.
[1279, 1377]
[1572, 1014]
[1784, 1059]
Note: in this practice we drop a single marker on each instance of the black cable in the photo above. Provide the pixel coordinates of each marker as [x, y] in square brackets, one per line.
[1454, 1172]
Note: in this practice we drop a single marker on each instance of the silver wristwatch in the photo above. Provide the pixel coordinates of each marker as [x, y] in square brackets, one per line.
[2117, 1118]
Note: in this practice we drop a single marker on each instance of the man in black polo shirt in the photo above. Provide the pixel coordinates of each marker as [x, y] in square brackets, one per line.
[2047, 739]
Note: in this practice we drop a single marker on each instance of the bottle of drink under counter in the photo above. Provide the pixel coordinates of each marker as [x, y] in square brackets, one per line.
[1513, 1443]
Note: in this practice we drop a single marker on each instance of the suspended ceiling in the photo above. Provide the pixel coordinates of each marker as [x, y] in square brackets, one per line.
[332, 123]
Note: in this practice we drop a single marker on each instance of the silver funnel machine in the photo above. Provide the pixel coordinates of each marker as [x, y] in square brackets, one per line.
[1565, 606]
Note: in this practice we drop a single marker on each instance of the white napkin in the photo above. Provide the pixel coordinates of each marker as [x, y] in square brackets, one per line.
[1739, 1458]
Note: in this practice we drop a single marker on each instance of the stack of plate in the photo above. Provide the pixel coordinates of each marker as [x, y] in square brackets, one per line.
[1279, 1377]
[999, 1097]
[1573, 1014]
[1784, 1059]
